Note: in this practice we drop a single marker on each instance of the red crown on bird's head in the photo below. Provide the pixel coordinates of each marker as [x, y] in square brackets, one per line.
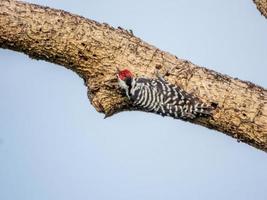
[123, 74]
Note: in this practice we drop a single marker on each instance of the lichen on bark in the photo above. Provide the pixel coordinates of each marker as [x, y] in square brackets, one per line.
[95, 50]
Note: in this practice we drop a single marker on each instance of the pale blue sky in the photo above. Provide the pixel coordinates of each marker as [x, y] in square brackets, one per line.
[54, 145]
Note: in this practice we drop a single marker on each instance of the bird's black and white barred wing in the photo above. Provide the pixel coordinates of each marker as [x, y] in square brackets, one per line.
[159, 96]
[144, 94]
[180, 104]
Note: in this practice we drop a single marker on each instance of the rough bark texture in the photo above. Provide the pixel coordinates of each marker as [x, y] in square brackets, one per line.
[262, 6]
[94, 50]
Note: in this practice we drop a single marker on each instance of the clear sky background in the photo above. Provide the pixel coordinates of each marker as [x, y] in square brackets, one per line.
[54, 145]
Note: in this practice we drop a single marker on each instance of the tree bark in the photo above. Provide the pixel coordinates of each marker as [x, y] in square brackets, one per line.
[262, 6]
[94, 50]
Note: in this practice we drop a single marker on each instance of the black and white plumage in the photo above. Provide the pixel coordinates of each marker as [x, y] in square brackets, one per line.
[161, 97]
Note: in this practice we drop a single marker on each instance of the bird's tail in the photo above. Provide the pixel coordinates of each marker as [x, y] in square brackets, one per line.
[203, 109]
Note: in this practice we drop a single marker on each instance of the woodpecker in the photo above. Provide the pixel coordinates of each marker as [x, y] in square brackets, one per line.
[159, 96]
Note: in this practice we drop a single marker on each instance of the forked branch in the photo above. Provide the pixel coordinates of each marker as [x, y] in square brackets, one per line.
[94, 50]
[262, 6]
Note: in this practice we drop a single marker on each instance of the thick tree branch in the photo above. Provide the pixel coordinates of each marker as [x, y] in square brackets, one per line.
[262, 6]
[94, 50]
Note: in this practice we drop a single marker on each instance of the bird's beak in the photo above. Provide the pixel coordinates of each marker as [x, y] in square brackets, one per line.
[118, 70]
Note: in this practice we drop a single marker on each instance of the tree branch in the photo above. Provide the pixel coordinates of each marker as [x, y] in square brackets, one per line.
[94, 50]
[262, 6]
